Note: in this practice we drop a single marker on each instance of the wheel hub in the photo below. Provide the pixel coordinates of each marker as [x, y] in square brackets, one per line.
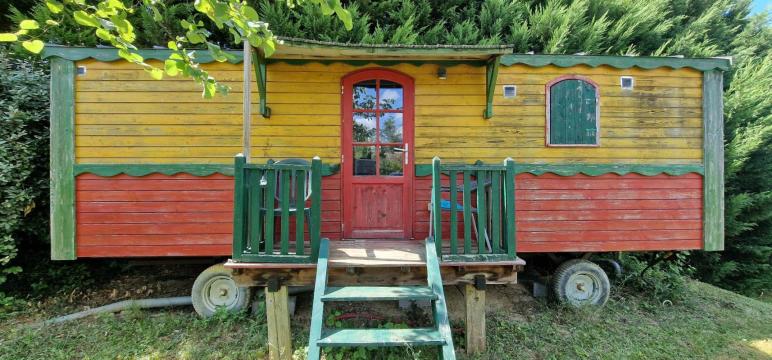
[220, 291]
[582, 288]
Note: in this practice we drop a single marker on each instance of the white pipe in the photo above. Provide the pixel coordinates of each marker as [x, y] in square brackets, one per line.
[120, 306]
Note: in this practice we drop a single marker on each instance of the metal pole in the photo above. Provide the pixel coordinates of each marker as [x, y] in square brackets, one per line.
[247, 100]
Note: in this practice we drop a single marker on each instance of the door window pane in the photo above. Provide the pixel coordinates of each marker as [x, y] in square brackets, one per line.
[392, 159]
[364, 95]
[364, 127]
[390, 94]
[364, 160]
[391, 127]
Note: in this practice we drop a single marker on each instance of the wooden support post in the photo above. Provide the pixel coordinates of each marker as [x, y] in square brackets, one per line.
[277, 311]
[475, 317]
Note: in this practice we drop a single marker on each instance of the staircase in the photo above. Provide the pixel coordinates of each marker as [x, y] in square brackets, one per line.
[438, 335]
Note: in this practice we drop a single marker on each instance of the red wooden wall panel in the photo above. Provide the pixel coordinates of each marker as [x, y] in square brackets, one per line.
[162, 215]
[185, 215]
[596, 213]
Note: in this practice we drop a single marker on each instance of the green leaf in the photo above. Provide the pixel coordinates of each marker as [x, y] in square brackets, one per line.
[156, 73]
[54, 6]
[52, 22]
[33, 46]
[85, 19]
[104, 34]
[172, 45]
[269, 47]
[171, 67]
[344, 16]
[131, 57]
[250, 13]
[122, 24]
[194, 37]
[156, 14]
[210, 89]
[204, 6]
[8, 37]
[29, 25]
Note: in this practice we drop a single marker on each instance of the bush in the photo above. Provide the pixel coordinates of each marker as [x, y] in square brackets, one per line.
[23, 158]
[664, 281]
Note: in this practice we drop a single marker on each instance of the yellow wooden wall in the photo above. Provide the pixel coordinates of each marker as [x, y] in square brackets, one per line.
[660, 121]
[123, 116]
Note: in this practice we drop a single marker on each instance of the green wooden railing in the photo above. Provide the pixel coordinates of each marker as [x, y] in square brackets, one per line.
[270, 199]
[485, 199]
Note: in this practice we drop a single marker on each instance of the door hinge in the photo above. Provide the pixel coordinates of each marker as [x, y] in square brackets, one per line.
[341, 89]
[341, 159]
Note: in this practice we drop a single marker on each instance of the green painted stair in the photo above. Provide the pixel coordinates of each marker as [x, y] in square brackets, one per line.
[381, 337]
[439, 335]
[378, 293]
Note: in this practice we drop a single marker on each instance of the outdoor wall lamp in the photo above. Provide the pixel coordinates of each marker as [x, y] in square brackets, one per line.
[442, 73]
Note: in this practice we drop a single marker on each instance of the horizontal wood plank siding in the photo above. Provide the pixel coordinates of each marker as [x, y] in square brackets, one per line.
[122, 116]
[660, 121]
[163, 215]
[601, 213]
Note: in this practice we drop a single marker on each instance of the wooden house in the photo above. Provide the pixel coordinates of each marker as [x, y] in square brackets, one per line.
[399, 144]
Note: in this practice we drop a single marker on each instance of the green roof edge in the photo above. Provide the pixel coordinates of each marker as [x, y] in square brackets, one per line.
[534, 60]
[619, 62]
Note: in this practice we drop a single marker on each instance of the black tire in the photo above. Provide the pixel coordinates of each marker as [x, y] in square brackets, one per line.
[214, 288]
[580, 283]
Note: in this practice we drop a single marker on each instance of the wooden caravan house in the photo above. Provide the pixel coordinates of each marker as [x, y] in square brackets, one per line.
[400, 168]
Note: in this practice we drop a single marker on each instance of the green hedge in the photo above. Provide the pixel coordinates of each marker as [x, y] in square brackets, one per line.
[23, 158]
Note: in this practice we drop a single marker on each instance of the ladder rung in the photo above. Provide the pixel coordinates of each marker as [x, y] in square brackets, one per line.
[381, 337]
[378, 293]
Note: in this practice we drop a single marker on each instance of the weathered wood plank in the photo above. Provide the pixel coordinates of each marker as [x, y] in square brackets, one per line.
[713, 110]
[475, 319]
[62, 159]
[277, 313]
[451, 275]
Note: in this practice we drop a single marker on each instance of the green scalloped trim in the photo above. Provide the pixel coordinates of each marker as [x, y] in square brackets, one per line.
[203, 56]
[600, 169]
[146, 169]
[108, 170]
[592, 169]
[111, 54]
[619, 62]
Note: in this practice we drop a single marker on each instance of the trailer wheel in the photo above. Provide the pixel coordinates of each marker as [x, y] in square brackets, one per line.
[214, 288]
[580, 283]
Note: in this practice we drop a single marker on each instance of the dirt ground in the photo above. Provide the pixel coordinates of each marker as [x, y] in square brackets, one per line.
[157, 281]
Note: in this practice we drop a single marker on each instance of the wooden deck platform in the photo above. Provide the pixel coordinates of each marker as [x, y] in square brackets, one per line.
[376, 262]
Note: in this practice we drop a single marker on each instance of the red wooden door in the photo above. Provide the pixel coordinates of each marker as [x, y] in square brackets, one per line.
[377, 147]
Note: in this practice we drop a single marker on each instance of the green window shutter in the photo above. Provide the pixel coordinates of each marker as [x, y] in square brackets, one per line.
[573, 113]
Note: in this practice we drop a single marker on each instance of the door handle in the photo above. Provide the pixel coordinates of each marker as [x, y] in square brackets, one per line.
[406, 151]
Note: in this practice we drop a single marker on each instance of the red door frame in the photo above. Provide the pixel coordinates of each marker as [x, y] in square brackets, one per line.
[347, 163]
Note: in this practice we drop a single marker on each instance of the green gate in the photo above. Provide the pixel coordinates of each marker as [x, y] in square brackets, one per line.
[485, 199]
[277, 211]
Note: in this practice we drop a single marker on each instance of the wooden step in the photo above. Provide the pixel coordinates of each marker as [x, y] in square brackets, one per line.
[381, 337]
[378, 293]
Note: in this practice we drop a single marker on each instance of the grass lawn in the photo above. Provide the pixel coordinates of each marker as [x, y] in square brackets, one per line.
[712, 323]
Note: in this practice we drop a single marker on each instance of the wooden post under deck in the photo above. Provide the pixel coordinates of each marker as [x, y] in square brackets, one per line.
[277, 312]
[475, 319]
